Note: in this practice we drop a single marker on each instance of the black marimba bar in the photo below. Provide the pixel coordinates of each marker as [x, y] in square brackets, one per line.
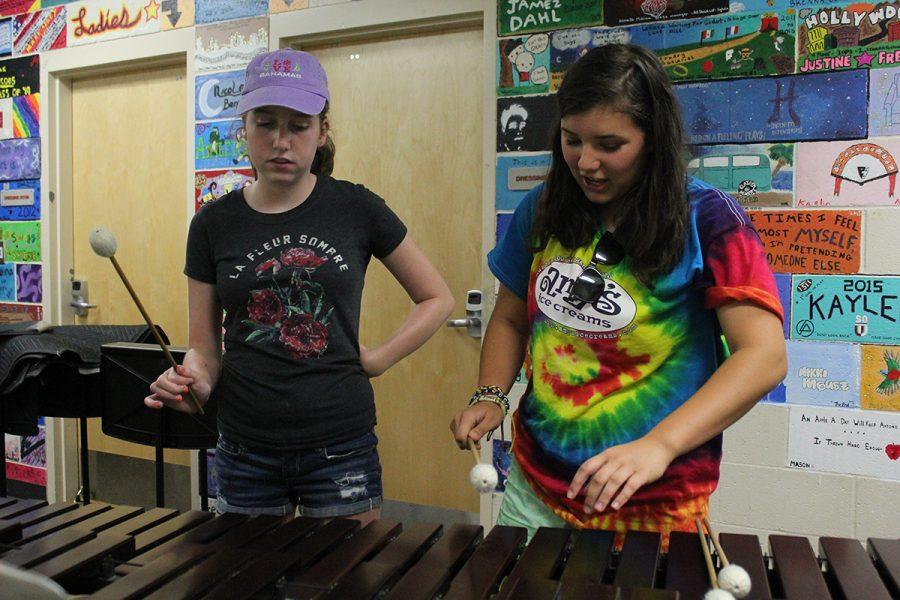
[123, 552]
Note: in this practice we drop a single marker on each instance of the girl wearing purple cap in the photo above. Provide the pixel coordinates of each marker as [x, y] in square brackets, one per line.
[285, 259]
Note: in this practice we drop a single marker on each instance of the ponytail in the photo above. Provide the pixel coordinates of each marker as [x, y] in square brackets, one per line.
[323, 163]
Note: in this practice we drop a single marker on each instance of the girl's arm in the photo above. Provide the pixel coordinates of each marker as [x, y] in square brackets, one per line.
[501, 358]
[202, 362]
[758, 363]
[433, 304]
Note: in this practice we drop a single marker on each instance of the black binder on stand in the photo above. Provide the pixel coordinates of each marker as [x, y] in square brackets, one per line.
[126, 371]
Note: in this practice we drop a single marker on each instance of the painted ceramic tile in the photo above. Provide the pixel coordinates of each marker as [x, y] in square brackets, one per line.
[630, 12]
[7, 282]
[12, 447]
[230, 46]
[20, 159]
[28, 283]
[783, 283]
[15, 7]
[6, 37]
[501, 457]
[755, 175]
[220, 145]
[20, 76]
[27, 457]
[760, 5]
[40, 31]
[848, 36]
[20, 200]
[884, 102]
[516, 176]
[26, 116]
[34, 450]
[525, 16]
[524, 123]
[810, 241]
[732, 45]
[216, 96]
[210, 11]
[823, 374]
[6, 118]
[523, 65]
[93, 21]
[176, 14]
[569, 45]
[277, 6]
[854, 173]
[864, 310]
[880, 388]
[49, 3]
[19, 115]
[17, 313]
[212, 185]
[33, 475]
[768, 109]
[21, 241]
[737, 6]
[776, 396]
[851, 442]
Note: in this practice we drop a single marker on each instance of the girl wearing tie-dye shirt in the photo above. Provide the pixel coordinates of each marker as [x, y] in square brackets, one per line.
[618, 278]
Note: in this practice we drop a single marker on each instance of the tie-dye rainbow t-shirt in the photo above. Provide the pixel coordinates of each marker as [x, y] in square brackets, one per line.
[606, 373]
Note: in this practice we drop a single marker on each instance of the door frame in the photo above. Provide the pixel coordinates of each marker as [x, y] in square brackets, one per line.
[380, 18]
[58, 70]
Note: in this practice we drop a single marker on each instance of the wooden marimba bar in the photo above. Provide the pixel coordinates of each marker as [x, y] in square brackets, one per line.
[122, 552]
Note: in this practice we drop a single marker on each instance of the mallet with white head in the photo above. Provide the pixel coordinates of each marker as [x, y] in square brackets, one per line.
[715, 593]
[104, 244]
[731, 577]
[483, 476]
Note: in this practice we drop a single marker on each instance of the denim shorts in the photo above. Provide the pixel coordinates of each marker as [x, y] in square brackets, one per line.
[332, 481]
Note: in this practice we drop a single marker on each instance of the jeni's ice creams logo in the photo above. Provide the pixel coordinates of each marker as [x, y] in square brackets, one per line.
[612, 312]
[281, 68]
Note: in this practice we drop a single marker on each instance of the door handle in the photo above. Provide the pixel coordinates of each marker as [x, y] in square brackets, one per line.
[81, 304]
[467, 322]
[472, 322]
[81, 307]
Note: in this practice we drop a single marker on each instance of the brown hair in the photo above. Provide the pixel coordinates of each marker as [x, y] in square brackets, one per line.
[652, 219]
[323, 163]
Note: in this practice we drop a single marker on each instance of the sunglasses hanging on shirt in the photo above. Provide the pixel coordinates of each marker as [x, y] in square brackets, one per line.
[591, 284]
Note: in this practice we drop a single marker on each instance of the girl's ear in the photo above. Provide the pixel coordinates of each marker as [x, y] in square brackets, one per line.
[323, 135]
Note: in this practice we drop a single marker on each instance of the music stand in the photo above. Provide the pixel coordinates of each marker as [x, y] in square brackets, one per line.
[126, 371]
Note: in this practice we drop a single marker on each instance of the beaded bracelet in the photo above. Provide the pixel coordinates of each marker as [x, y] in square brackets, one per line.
[491, 393]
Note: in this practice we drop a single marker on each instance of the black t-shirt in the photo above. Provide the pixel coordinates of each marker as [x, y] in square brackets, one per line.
[291, 285]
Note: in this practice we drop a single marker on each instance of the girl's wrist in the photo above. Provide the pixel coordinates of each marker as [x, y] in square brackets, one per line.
[491, 393]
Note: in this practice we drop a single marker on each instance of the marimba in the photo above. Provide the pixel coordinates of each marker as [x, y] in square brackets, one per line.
[122, 552]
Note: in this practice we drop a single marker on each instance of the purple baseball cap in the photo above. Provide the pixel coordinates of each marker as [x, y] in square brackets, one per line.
[290, 78]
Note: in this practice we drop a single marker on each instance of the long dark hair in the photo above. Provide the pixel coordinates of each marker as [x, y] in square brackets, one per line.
[651, 219]
[323, 163]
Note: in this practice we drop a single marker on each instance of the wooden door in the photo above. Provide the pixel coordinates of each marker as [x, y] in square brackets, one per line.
[406, 116]
[129, 175]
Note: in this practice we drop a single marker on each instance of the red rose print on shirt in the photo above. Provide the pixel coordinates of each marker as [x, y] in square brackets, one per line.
[265, 307]
[302, 257]
[303, 336]
[291, 311]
